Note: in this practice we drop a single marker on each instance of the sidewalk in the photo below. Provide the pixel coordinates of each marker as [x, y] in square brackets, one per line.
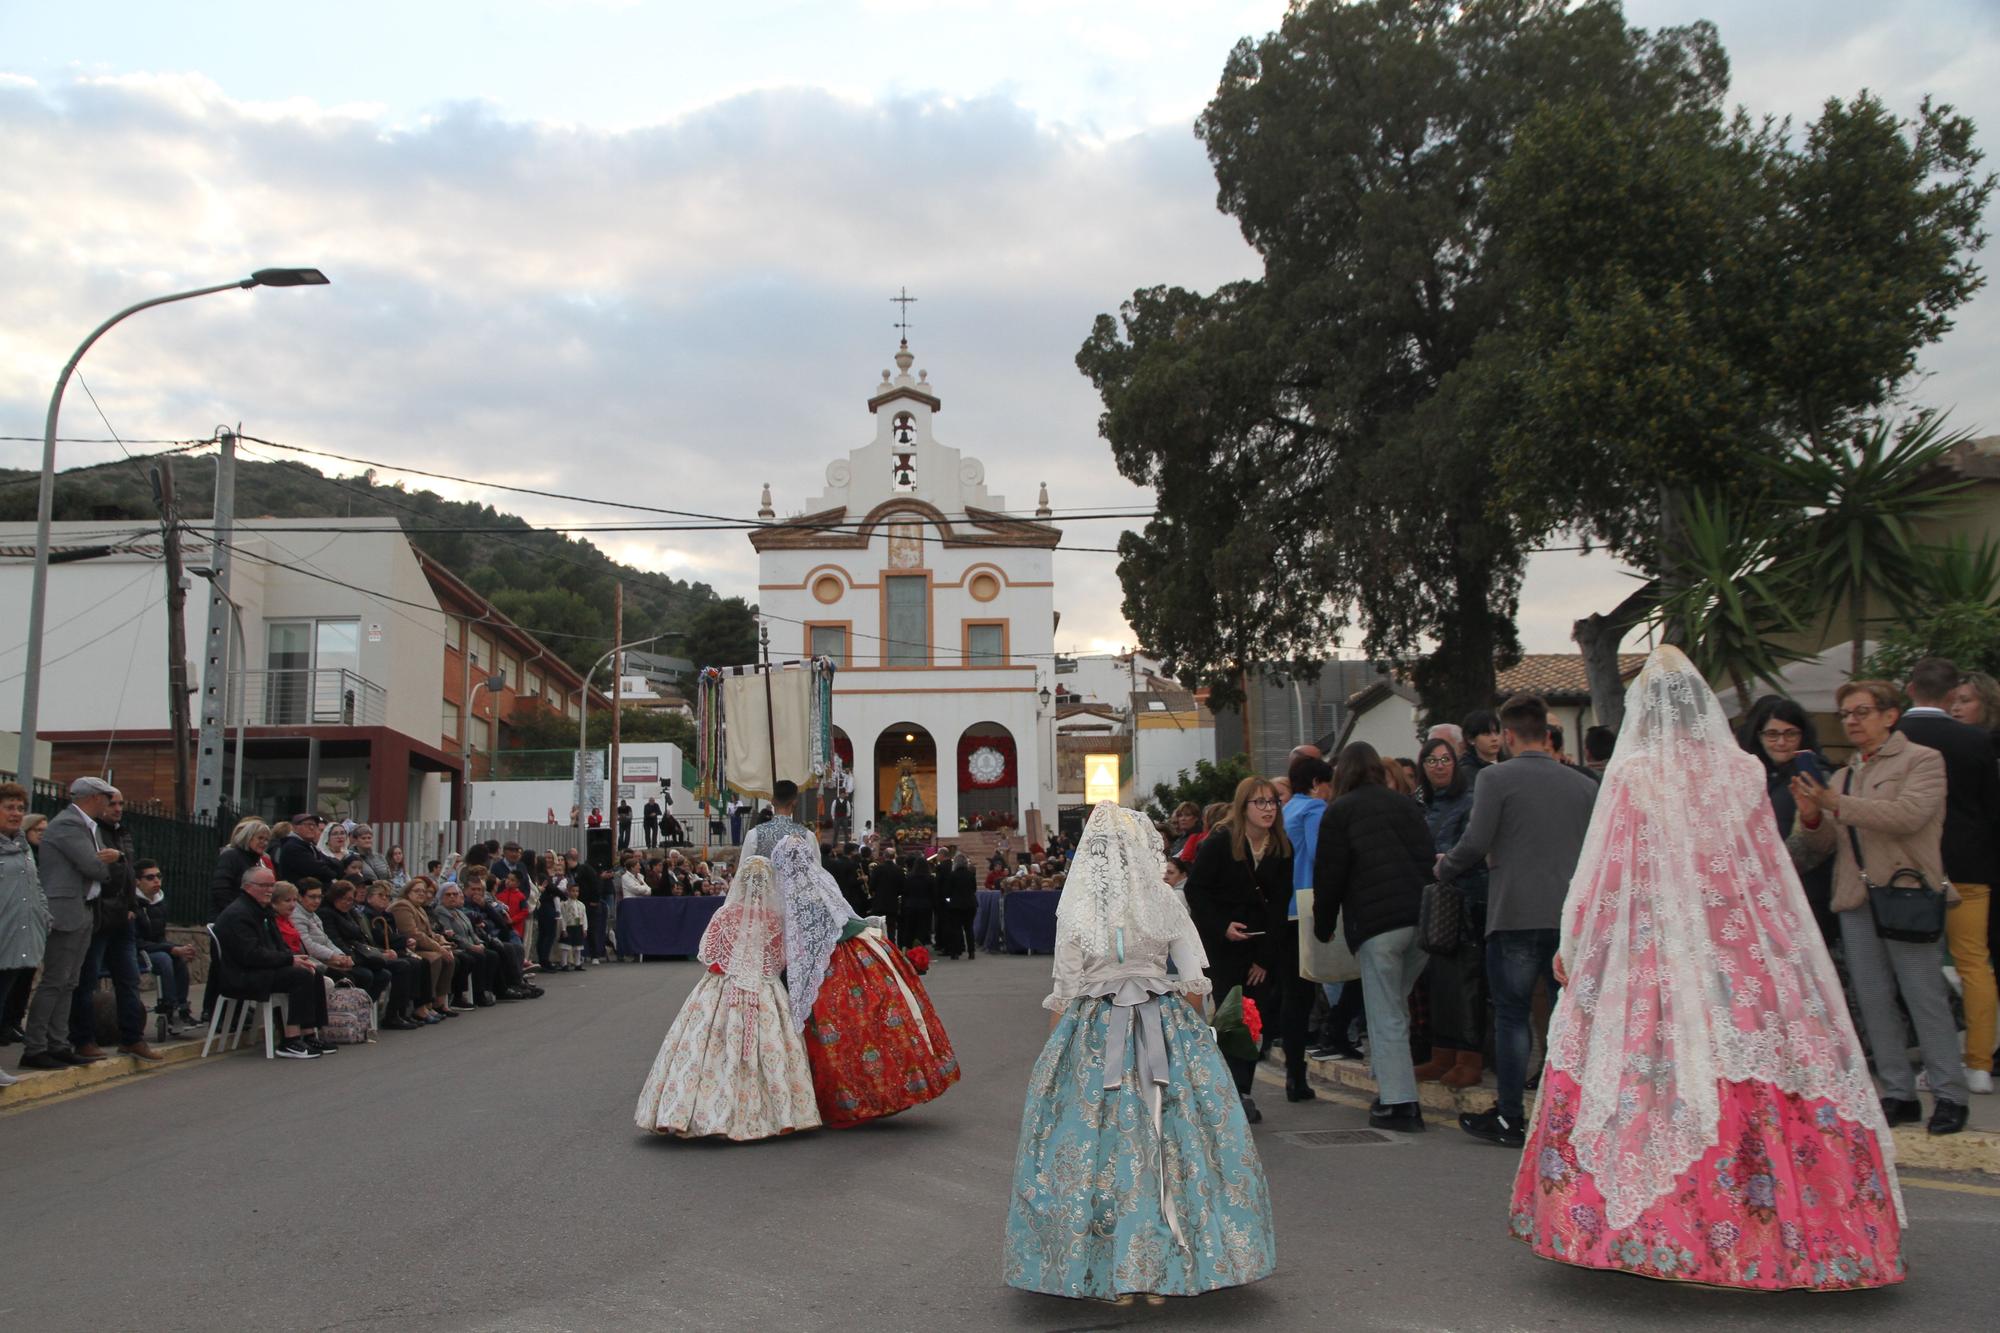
[39, 1085]
[1977, 1148]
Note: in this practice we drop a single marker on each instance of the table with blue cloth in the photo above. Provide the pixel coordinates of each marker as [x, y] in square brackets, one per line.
[1029, 920]
[986, 921]
[664, 927]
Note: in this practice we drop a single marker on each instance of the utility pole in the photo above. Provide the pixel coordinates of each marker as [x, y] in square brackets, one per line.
[617, 702]
[177, 681]
[215, 643]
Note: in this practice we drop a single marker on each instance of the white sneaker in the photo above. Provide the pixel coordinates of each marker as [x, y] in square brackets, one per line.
[7, 1080]
[1978, 1080]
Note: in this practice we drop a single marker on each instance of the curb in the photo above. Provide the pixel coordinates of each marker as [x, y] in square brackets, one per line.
[1969, 1150]
[40, 1085]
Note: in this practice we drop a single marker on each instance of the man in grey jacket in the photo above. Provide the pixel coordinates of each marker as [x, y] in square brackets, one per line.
[75, 865]
[1529, 818]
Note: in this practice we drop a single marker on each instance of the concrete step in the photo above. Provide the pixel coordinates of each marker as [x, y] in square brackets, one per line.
[1974, 1149]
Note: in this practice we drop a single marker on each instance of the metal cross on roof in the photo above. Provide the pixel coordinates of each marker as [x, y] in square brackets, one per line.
[903, 299]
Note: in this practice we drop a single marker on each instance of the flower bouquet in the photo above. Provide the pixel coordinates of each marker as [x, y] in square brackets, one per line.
[1239, 1028]
[920, 958]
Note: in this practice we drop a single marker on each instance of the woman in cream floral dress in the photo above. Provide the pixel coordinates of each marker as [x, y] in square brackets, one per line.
[1136, 1172]
[732, 1064]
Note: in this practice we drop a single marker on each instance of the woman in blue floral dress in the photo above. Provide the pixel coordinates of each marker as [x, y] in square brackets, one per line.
[1136, 1171]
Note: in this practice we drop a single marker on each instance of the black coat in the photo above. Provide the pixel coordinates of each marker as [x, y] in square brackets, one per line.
[226, 885]
[149, 921]
[251, 948]
[885, 889]
[1222, 889]
[961, 889]
[919, 887]
[1374, 858]
[349, 932]
[589, 888]
[1971, 842]
[298, 859]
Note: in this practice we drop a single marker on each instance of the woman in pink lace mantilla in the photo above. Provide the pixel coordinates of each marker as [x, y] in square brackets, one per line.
[1707, 1113]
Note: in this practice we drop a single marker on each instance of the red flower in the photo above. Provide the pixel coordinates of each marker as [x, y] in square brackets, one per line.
[1253, 1022]
[920, 959]
[715, 968]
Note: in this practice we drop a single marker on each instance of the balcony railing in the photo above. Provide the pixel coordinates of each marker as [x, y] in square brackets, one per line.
[301, 698]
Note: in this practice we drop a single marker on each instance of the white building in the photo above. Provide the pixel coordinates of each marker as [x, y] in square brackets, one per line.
[939, 607]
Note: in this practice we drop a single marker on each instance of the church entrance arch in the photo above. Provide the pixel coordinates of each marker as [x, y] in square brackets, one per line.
[989, 778]
[906, 784]
[828, 805]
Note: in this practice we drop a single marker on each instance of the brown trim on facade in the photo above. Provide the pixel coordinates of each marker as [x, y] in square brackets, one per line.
[965, 628]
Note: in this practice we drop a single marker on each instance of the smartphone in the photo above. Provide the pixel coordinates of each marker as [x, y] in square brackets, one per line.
[1805, 761]
[1249, 933]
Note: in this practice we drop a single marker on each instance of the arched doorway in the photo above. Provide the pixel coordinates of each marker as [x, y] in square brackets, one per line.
[906, 783]
[988, 778]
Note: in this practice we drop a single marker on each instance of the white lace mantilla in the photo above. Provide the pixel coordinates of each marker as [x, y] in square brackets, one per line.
[816, 915]
[1117, 919]
[1692, 955]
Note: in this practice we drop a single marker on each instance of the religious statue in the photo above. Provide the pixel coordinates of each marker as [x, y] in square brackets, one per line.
[908, 800]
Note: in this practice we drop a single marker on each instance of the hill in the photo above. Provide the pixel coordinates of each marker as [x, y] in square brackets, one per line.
[544, 581]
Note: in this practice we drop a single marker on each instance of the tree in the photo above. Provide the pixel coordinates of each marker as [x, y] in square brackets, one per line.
[1954, 612]
[723, 633]
[636, 725]
[1321, 438]
[1700, 297]
[1209, 783]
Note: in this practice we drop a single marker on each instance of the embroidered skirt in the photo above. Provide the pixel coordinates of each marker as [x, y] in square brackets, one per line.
[731, 1066]
[1114, 1192]
[875, 1042]
[1790, 1196]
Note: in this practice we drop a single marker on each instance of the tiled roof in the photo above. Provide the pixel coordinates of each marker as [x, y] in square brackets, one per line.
[1558, 675]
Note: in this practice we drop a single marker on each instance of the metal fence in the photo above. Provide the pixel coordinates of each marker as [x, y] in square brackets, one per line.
[331, 697]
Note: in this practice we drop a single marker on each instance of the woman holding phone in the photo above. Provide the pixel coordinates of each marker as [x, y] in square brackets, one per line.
[1781, 734]
[1241, 868]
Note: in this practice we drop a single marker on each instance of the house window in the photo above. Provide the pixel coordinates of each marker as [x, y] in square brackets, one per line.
[510, 667]
[482, 651]
[304, 662]
[534, 683]
[452, 714]
[906, 620]
[986, 645]
[828, 641]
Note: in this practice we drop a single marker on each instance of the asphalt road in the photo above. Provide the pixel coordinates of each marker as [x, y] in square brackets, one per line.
[486, 1175]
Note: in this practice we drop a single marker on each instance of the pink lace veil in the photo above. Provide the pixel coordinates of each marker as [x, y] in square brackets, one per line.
[1692, 956]
[746, 937]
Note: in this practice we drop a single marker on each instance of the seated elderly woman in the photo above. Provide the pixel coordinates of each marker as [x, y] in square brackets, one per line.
[306, 1008]
[412, 919]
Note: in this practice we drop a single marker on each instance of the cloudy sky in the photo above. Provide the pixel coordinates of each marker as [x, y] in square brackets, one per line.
[645, 250]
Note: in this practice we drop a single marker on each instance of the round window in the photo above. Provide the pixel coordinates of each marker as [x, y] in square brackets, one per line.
[985, 587]
[827, 588]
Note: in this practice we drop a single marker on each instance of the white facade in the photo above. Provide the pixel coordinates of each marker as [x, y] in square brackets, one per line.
[938, 605]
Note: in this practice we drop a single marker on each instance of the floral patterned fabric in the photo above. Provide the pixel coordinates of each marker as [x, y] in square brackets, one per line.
[1086, 1218]
[873, 1053]
[731, 1066]
[1793, 1195]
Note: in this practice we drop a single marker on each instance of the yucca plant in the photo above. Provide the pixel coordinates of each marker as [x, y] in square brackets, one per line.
[1863, 500]
[1732, 588]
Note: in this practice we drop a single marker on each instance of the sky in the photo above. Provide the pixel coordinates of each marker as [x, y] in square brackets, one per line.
[644, 251]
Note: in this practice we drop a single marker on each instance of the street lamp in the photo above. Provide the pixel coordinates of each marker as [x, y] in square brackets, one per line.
[583, 714]
[31, 683]
[492, 685]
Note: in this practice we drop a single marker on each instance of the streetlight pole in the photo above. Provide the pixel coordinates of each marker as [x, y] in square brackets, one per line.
[583, 715]
[490, 684]
[31, 683]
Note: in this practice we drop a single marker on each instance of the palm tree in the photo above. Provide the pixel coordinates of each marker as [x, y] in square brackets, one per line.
[1863, 501]
[1730, 591]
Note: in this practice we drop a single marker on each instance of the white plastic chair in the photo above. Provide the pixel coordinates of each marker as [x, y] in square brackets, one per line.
[229, 1036]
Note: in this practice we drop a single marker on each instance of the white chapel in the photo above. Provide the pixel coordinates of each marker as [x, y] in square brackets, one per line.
[939, 608]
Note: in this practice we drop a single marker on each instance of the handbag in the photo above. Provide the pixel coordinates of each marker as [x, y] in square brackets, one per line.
[1441, 918]
[1907, 908]
[1331, 961]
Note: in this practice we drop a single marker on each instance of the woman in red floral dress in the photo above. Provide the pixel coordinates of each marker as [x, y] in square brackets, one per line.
[875, 1043]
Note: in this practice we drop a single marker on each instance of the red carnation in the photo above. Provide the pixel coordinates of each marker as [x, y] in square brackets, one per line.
[715, 968]
[1253, 1022]
[920, 958]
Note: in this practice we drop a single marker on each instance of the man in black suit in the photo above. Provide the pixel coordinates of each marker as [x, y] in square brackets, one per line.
[1971, 849]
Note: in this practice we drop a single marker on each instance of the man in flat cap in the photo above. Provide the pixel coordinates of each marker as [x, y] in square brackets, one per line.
[75, 865]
